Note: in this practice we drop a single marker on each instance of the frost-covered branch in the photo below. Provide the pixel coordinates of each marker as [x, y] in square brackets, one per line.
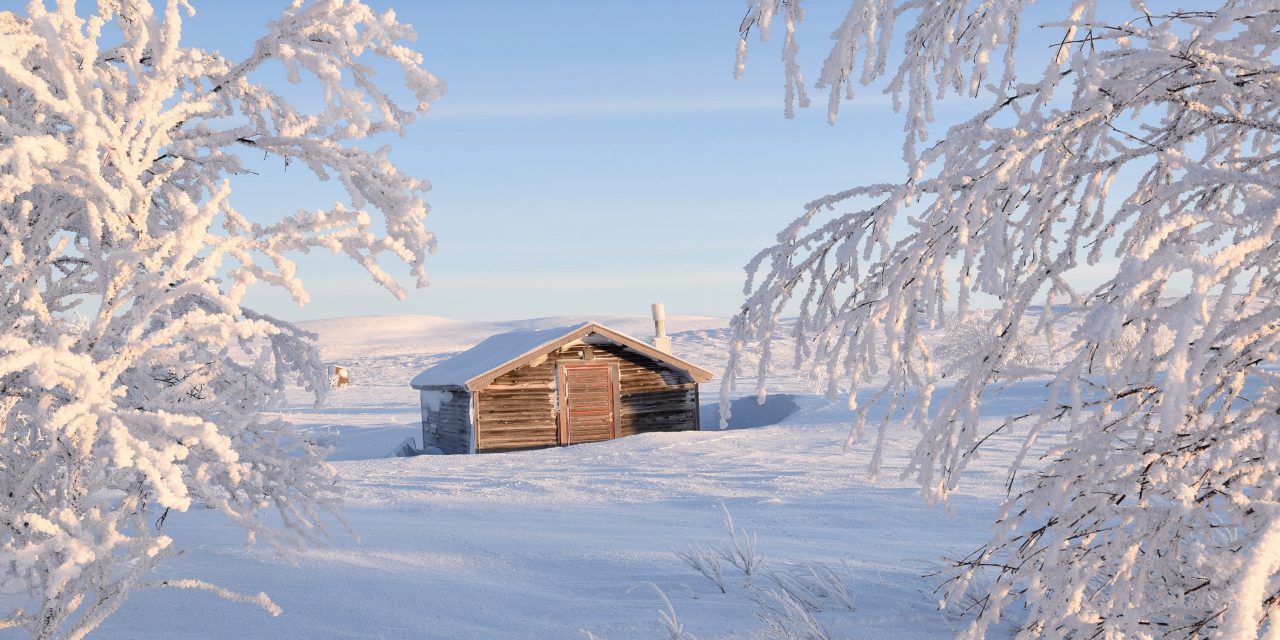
[133, 382]
[1143, 149]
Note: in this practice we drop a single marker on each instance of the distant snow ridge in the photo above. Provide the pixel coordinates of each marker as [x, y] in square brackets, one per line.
[357, 336]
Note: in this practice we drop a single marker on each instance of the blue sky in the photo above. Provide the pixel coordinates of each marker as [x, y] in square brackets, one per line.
[588, 158]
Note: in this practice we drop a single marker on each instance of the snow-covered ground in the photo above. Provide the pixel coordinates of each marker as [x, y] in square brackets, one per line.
[561, 542]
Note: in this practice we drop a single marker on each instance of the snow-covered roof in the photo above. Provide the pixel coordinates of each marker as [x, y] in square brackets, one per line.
[476, 367]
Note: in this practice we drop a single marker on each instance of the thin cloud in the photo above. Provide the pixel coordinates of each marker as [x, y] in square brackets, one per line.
[586, 108]
[560, 279]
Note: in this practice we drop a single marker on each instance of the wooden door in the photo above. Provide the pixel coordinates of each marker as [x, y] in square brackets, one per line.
[588, 402]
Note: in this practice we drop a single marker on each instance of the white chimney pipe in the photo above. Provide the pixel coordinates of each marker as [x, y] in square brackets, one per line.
[661, 341]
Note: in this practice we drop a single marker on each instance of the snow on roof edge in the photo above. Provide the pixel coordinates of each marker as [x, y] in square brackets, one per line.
[491, 354]
[496, 352]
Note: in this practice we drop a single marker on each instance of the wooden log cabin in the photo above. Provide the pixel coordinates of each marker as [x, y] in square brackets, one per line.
[552, 387]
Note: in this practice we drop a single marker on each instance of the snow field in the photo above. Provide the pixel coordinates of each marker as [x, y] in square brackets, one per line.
[554, 543]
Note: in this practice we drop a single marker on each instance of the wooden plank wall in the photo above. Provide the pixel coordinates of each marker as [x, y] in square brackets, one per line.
[519, 409]
[449, 427]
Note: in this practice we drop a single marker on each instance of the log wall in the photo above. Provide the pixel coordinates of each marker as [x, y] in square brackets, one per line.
[448, 427]
[520, 408]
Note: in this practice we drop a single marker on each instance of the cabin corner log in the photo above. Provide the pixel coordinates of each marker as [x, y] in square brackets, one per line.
[447, 427]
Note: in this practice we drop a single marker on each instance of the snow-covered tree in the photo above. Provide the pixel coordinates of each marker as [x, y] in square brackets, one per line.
[965, 340]
[133, 382]
[1143, 144]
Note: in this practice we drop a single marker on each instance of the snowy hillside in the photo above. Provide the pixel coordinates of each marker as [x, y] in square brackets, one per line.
[559, 542]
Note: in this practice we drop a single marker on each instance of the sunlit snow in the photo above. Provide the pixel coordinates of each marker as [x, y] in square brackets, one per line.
[552, 542]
